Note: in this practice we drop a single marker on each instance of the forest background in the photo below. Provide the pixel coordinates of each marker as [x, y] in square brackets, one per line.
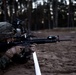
[40, 14]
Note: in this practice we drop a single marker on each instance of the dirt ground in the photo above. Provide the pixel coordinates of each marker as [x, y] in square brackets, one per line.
[54, 58]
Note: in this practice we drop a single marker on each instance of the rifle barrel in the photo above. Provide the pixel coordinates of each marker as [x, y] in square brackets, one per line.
[65, 40]
[41, 41]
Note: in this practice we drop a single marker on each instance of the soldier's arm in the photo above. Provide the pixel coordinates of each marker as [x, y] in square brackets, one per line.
[6, 58]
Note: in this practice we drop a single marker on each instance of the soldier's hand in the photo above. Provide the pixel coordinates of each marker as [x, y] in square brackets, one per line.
[14, 50]
[17, 49]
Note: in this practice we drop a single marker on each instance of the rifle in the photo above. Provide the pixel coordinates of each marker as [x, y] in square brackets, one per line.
[30, 39]
[22, 40]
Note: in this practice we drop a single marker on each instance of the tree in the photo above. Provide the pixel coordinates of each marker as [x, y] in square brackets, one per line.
[70, 16]
[49, 16]
[55, 13]
[29, 11]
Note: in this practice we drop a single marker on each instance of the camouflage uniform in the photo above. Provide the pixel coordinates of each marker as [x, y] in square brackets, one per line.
[19, 52]
[5, 32]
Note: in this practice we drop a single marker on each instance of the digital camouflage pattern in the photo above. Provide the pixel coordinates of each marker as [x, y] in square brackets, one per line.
[5, 30]
[4, 61]
[18, 54]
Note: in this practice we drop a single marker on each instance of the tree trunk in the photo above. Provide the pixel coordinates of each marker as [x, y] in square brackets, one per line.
[55, 13]
[5, 9]
[49, 18]
[29, 8]
[70, 16]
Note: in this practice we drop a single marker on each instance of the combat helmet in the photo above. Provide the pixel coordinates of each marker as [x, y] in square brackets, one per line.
[5, 30]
